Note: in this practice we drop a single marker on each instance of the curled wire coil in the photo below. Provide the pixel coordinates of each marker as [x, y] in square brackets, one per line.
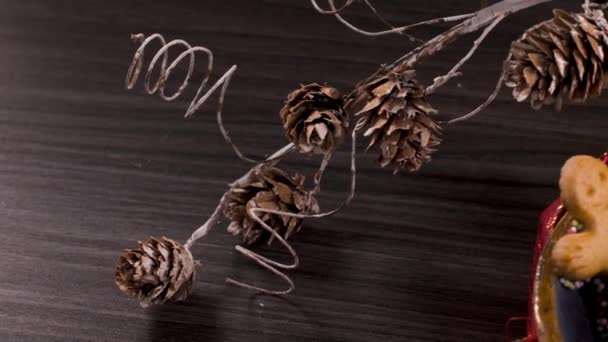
[165, 72]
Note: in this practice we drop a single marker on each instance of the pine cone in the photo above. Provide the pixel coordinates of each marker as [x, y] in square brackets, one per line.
[559, 59]
[314, 118]
[158, 271]
[399, 119]
[269, 188]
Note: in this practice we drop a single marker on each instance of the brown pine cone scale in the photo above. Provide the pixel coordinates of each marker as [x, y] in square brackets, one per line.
[158, 271]
[398, 120]
[269, 188]
[561, 59]
[314, 118]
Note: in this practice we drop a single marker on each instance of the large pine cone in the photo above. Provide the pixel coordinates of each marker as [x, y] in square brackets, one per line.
[398, 118]
[269, 188]
[559, 59]
[156, 272]
[314, 118]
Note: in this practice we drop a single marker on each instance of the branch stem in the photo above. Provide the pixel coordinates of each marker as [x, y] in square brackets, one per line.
[442, 80]
[203, 230]
[479, 20]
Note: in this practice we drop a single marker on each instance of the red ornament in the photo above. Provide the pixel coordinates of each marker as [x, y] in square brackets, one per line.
[546, 223]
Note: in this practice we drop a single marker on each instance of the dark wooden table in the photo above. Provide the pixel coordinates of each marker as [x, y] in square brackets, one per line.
[87, 169]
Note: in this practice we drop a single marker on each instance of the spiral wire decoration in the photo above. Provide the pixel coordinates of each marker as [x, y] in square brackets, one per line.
[165, 73]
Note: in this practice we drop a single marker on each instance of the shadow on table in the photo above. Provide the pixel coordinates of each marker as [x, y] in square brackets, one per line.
[192, 320]
[316, 327]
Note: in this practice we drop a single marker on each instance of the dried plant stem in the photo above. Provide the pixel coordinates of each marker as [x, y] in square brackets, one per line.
[489, 100]
[487, 17]
[203, 230]
[442, 80]
[253, 212]
[254, 257]
[267, 263]
[353, 179]
[206, 227]
[333, 9]
[319, 174]
[475, 22]
[353, 182]
[388, 24]
[394, 30]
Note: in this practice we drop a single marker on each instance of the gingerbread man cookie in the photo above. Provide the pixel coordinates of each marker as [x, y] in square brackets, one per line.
[584, 191]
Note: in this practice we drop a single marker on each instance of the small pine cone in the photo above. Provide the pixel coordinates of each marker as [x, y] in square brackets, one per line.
[559, 59]
[156, 272]
[314, 118]
[399, 120]
[268, 188]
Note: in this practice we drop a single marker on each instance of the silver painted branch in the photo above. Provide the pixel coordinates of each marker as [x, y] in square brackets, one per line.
[319, 174]
[333, 9]
[393, 30]
[203, 230]
[442, 80]
[488, 101]
[479, 20]
[268, 264]
[388, 24]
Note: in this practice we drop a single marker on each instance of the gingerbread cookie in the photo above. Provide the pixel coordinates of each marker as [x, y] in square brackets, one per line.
[584, 191]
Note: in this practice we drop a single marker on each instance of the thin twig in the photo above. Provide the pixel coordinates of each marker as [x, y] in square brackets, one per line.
[477, 21]
[316, 189]
[206, 227]
[398, 30]
[253, 213]
[442, 80]
[490, 15]
[333, 10]
[489, 100]
[353, 182]
[203, 230]
[388, 24]
[252, 256]
[319, 174]
[265, 262]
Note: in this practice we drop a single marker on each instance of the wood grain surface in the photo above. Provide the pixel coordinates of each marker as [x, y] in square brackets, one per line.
[87, 169]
